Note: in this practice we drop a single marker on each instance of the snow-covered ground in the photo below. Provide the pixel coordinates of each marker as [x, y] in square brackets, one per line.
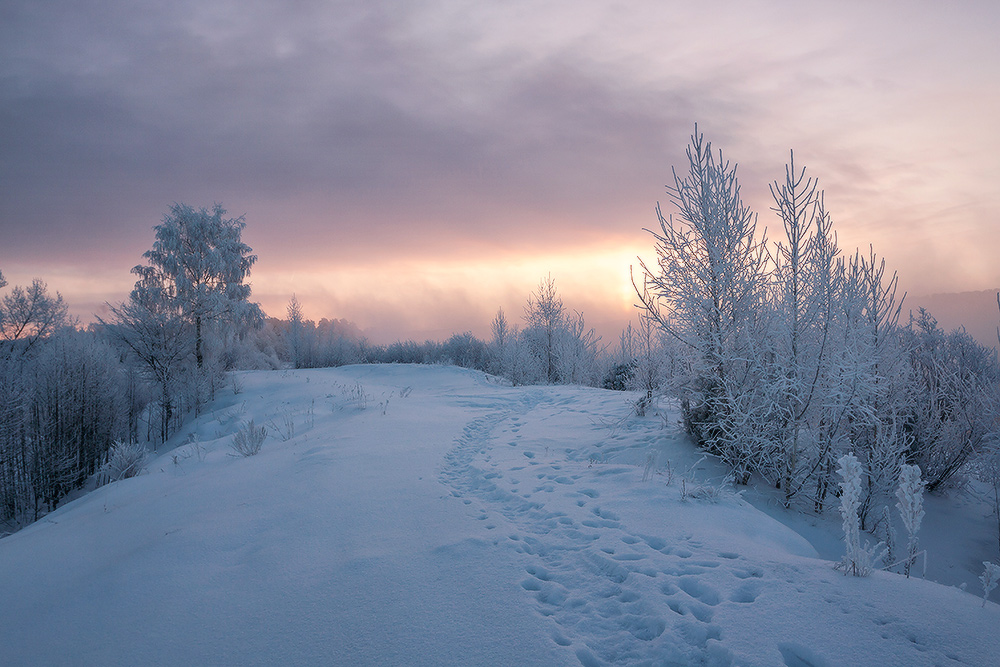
[407, 515]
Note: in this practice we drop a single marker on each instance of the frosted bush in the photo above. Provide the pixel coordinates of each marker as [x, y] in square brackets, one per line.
[248, 440]
[859, 560]
[989, 578]
[123, 460]
[911, 508]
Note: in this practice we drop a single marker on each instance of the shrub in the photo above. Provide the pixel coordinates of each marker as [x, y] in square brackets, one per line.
[247, 440]
[859, 560]
[122, 461]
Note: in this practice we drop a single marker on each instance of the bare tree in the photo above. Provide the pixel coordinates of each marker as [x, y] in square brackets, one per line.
[28, 315]
[161, 345]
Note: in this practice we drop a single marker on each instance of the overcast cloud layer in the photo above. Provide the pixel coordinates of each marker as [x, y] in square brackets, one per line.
[414, 165]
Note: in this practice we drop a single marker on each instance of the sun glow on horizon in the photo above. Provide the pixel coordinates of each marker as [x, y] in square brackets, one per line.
[438, 296]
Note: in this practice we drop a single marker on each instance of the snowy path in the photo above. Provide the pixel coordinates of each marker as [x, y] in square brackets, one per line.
[424, 516]
[628, 572]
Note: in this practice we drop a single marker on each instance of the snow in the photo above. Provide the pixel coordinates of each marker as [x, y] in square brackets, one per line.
[432, 516]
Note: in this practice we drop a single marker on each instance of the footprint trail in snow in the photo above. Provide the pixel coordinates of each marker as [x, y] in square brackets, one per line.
[638, 590]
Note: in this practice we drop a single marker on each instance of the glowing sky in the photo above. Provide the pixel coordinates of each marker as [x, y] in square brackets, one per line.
[412, 166]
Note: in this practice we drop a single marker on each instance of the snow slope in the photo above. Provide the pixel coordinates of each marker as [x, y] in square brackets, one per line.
[429, 516]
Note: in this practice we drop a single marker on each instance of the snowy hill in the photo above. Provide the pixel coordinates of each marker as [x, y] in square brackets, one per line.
[428, 516]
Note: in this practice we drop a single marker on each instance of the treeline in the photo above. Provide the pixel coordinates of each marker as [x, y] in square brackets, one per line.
[64, 398]
[787, 355]
[549, 346]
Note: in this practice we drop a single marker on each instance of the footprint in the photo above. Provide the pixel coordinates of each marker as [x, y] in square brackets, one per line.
[538, 573]
[531, 585]
[630, 557]
[796, 655]
[699, 590]
[646, 628]
[698, 634]
[560, 638]
[655, 543]
[552, 594]
[606, 568]
[747, 592]
[628, 596]
[605, 514]
[754, 572]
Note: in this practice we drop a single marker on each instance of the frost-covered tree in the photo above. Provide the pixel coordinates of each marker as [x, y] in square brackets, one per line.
[877, 432]
[502, 337]
[544, 325]
[555, 346]
[198, 267]
[296, 333]
[953, 398]
[577, 352]
[805, 289]
[28, 315]
[465, 350]
[509, 354]
[193, 285]
[159, 343]
[707, 291]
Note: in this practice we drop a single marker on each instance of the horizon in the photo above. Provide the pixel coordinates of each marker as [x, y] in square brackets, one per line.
[412, 169]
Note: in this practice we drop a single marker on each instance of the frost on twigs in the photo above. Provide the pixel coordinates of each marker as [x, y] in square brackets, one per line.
[911, 510]
[122, 461]
[248, 440]
[989, 578]
[859, 560]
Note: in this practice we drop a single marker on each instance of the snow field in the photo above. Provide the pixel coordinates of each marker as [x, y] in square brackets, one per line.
[429, 516]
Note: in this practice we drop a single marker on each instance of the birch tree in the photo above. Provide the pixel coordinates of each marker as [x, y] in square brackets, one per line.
[707, 291]
[805, 288]
[199, 265]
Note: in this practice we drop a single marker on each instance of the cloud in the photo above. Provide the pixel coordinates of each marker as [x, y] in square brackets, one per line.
[367, 133]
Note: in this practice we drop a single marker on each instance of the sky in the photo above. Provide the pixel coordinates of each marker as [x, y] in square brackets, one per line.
[414, 166]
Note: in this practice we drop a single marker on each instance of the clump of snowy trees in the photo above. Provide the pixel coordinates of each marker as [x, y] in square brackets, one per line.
[73, 402]
[64, 399]
[787, 355]
[553, 347]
